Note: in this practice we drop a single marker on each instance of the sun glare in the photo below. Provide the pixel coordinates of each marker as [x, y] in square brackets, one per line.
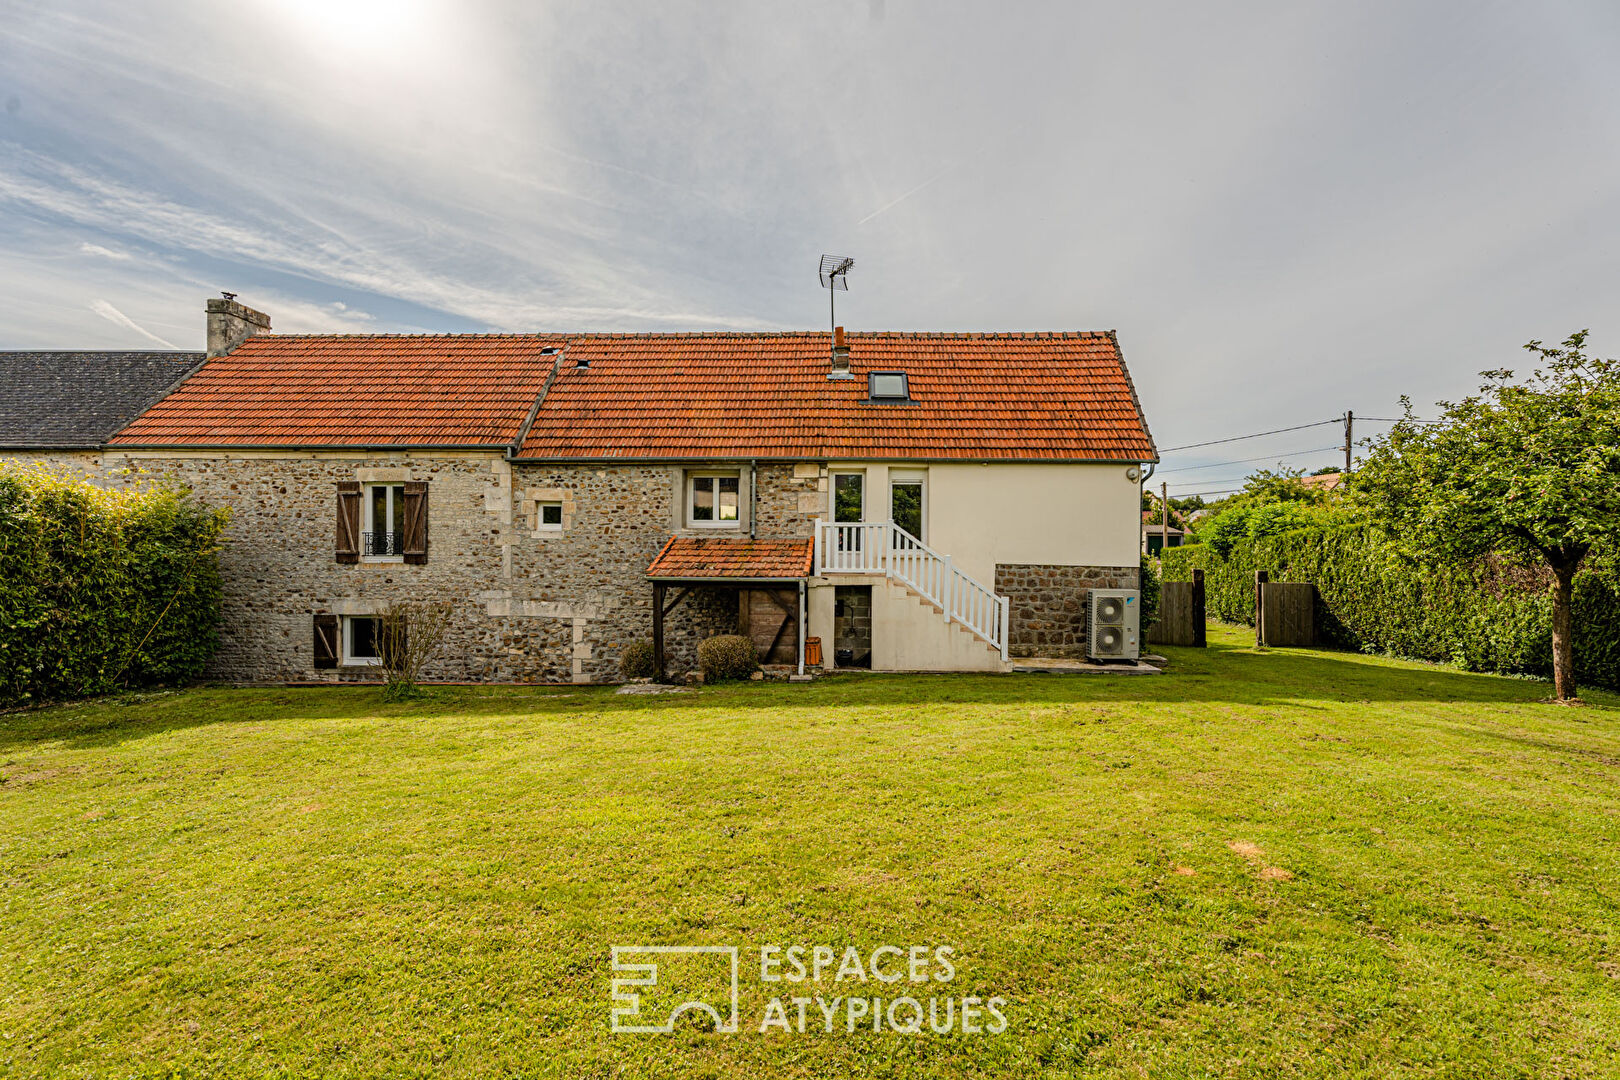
[358, 25]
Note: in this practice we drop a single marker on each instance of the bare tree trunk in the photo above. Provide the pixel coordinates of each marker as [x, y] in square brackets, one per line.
[1563, 641]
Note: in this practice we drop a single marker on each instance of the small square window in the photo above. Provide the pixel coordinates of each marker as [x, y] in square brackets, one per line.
[887, 386]
[551, 515]
[712, 500]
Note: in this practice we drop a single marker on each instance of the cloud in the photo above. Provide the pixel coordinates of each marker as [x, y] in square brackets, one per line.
[113, 315]
[103, 252]
[1285, 210]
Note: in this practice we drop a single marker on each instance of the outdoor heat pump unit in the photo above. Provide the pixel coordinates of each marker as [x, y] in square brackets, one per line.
[1116, 623]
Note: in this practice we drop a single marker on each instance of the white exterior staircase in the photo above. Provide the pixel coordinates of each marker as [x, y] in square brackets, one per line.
[882, 548]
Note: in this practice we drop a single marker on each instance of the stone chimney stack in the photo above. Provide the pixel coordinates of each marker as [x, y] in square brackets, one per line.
[230, 324]
[840, 356]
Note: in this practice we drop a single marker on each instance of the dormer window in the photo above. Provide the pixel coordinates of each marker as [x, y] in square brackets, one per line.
[887, 386]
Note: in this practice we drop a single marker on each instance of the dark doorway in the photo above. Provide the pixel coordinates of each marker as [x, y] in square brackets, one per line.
[771, 618]
[852, 625]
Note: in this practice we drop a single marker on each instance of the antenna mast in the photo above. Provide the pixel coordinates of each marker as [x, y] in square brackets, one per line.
[834, 276]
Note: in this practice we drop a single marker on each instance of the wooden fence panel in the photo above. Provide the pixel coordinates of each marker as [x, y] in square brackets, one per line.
[1181, 613]
[1287, 614]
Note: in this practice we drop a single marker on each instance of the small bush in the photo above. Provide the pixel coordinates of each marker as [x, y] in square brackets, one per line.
[636, 662]
[727, 656]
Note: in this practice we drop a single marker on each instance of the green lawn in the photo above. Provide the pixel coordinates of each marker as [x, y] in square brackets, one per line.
[1259, 864]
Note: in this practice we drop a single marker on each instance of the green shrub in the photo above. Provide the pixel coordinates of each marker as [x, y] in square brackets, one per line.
[1491, 615]
[1150, 593]
[727, 656]
[102, 589]
[636, 662]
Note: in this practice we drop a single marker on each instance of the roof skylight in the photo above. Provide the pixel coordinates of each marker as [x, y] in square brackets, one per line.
[887, 386]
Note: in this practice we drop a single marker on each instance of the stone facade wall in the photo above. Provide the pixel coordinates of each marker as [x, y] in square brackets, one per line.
[531, 603]
[87, 462]
[1046, 605]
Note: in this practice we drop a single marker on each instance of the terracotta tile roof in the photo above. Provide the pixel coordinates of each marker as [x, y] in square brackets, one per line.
[732, 557]
[347, 390]
[1029, 396]
[1057, 396]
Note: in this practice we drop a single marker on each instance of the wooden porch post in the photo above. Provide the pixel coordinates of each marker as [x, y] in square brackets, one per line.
[801, 626]
[1199, 638]
[658, 631]
[1260, 579]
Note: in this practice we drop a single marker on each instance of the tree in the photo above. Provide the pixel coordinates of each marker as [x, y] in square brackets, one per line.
[409, 636]
[1529, 470]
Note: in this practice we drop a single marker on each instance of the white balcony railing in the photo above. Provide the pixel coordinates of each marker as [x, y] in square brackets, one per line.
[884, 548]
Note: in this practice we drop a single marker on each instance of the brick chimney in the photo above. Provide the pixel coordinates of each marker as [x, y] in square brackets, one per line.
[230, 324]
[840, 356]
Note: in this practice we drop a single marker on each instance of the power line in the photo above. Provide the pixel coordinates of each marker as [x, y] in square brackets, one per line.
[1262, 457]
[1257, 435]
[1190, 494]
[1399, 420]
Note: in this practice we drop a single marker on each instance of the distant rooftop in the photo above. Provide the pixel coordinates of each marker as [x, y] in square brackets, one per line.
[77, 400]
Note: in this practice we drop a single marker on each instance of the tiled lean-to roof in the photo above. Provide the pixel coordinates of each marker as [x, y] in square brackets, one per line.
[75, 400]
[735, 557]
[1034, 396]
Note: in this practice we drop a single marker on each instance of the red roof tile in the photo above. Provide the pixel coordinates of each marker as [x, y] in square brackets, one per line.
[355, 390]
[686, 557]
[1058, 396]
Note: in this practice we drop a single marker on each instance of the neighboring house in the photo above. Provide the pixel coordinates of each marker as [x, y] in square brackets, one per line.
[62, 407]
[1323, 481]
[932, 502]
[1156, 536]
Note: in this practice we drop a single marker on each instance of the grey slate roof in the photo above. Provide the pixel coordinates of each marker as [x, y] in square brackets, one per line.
[58, 400]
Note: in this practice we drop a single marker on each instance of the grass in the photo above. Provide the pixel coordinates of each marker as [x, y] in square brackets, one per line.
[1263, 863]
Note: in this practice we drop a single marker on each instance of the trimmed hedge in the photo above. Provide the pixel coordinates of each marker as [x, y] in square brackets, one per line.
[1489, 616]
[727, 656]
[102, 589]
[637, 661]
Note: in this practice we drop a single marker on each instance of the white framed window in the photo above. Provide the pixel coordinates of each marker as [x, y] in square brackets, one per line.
[360, 634]
[712, 499]
[548, 515]
[383, 539]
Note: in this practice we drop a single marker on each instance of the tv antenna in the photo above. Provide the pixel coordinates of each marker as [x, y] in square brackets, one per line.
[834, 276]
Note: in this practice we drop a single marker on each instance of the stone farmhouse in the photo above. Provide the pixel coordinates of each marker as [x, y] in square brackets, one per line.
[915, 501]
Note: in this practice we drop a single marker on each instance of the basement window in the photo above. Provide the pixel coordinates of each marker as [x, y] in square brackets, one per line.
[360, 635]
[887, 386]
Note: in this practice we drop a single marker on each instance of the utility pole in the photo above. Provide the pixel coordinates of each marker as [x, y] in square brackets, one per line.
[1164, 518]
[1349, 422]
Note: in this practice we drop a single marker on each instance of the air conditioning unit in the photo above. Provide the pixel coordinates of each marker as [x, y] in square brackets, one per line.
[1116, 623]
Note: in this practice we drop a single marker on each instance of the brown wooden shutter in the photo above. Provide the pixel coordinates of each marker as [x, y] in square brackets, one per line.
[327, 629]
[416, 521]
[348, 521]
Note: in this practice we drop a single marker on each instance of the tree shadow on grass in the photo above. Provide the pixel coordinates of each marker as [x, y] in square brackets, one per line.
[1221, 674]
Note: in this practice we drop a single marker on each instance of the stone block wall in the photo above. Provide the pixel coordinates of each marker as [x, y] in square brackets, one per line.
[1046, 605]
[530, 603]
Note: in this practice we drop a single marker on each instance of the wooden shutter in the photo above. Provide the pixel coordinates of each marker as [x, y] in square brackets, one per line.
[416, 521]
[348, 521]
[327, 629]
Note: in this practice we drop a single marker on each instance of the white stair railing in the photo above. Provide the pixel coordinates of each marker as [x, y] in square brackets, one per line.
[884, 548]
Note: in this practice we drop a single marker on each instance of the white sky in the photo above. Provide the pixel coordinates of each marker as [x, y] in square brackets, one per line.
[1285, 209]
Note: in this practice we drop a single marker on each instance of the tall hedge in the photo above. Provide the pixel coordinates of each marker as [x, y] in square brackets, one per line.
[1488, 616]
[102, 588]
